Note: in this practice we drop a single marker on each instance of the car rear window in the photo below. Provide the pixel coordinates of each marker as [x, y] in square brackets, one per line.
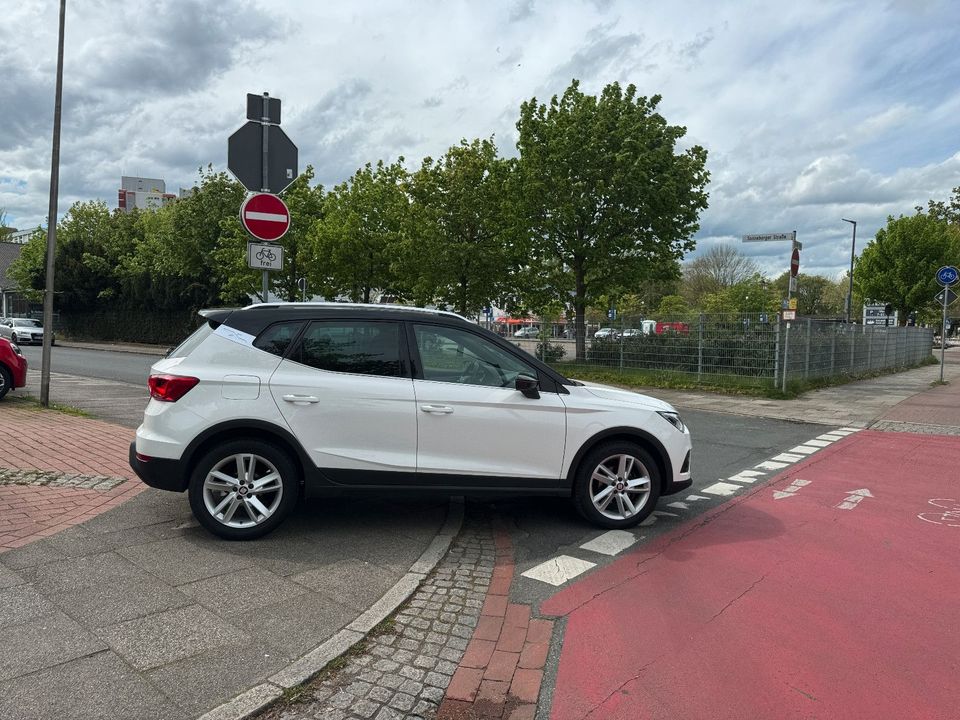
[277, 338]
[364, 348]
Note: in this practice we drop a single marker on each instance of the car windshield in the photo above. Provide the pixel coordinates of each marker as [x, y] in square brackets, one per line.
[27, 322]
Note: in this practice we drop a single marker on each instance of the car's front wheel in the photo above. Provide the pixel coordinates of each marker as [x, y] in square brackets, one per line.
[6, 381]
[617, 485]
[243, 489]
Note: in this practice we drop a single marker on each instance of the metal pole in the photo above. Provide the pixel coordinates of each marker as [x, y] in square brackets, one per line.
[943, 332]
[776, 355]
[853, 246]
[786, 355]
[265, 181]
[806, 360]
[700, 350]
[52, 221]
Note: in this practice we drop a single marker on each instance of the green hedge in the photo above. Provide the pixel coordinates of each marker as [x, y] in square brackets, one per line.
[151, 328]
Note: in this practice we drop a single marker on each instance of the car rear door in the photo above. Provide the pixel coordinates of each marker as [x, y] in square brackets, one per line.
[345, 391]
[474, 427]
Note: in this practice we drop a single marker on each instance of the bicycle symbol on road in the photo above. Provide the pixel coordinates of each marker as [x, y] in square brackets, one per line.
[950, 517]
[266, 254]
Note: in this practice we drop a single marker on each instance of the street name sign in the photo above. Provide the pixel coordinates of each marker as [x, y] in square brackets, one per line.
[771, 237]
[264, 256]
[265, 216]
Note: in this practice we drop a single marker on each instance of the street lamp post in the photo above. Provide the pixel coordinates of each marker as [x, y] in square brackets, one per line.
[853, 245]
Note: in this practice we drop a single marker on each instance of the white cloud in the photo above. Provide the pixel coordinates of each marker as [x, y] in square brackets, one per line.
[811, 111]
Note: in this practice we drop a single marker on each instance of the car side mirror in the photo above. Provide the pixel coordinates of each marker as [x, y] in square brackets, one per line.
[529, 386]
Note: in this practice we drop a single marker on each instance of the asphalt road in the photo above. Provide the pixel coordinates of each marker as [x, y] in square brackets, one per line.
[101, 364]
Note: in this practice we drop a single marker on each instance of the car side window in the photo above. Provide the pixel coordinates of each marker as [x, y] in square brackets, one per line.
[452, 355]
[348, 346]
[277, 338]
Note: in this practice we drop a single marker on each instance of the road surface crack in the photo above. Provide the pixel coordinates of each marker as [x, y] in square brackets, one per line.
[724, 608]
[621, 686]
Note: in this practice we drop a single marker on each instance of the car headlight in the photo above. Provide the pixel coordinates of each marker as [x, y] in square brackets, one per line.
[673, 418]
[16, 348]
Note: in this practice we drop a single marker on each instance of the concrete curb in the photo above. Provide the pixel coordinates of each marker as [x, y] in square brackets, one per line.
[256, 699]
[110, 347]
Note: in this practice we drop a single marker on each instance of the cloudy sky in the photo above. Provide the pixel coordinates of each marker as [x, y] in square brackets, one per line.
[810, 111]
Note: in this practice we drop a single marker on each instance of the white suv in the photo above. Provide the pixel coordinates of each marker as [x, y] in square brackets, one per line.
[271, 401]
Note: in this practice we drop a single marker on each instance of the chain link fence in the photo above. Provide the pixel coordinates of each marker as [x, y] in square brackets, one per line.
[752, 348]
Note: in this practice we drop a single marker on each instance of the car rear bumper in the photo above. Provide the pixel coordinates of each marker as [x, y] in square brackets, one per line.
[161, 473]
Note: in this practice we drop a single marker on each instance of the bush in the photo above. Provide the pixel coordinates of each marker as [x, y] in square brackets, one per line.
[550, 352]
[150, 328]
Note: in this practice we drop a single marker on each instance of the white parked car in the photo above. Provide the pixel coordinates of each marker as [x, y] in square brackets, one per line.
[24, 331]
[606, 333]
[267, 403]
[529, 331]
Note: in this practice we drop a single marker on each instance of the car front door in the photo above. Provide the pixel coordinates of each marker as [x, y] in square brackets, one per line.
[475, 428]
[346, 393]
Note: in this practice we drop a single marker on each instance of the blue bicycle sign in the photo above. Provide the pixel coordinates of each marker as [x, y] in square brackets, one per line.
[948, 275]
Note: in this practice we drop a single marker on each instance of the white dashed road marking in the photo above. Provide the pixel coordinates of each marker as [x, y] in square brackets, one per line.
[722, 489]
[803, 449]
[610, 543]
[558, 570]
[771, 465]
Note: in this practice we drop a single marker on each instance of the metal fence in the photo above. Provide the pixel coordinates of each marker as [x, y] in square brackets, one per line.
[754, 348]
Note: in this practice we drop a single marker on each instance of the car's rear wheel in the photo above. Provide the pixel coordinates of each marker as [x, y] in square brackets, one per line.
[617, 485]
[243, 489]
[6, 381]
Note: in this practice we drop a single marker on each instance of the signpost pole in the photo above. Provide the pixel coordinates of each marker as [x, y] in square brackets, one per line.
[265, 125]
[943, 331]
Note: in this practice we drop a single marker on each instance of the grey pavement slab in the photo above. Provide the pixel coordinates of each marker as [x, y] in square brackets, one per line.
[208, 557]
[96, 687]
[9, 578]
[86, 571]
[216, 675]
[242, 593]
[166, 637]
[114, 602]
[43, 642]
[297, 625]
[22, 603]
[350, 578]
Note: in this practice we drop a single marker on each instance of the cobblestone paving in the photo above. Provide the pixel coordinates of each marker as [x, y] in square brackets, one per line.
[47, 478]
[404, 673]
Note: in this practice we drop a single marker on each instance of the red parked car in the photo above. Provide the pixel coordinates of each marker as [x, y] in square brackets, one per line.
[13, 367]
[681, 328]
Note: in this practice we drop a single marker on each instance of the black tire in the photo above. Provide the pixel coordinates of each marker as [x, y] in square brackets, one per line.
[6, 381]
[13, 339]
[586, 488]
[289, 489]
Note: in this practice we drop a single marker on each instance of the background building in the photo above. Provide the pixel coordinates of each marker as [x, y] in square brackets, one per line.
[142, 193]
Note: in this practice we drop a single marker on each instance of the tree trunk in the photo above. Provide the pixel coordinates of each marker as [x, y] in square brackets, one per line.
[579, 309]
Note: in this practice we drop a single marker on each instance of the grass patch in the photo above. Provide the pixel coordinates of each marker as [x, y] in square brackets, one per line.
[636, 379]
[29, 402]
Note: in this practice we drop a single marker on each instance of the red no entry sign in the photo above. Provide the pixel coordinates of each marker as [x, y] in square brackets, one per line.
[265, 216]
[795, 262]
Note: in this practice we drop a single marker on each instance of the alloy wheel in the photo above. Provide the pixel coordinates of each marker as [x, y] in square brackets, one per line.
[620, 487]
[242, 490]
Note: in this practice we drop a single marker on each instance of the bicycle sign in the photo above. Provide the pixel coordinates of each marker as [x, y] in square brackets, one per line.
[261, 256]
[948, 275]
[949, 514]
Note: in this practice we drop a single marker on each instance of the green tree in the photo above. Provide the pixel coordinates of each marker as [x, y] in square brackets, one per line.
[948, 211]
[456, 253]
[28, 271]
[900, 264]
[817, 296]
[362, 227]
[609, 201]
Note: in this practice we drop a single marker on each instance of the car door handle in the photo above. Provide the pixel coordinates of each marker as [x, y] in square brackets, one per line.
[301, 399]
[437, 409]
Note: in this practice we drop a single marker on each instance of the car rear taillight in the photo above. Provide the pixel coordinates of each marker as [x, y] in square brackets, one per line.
[170, 388]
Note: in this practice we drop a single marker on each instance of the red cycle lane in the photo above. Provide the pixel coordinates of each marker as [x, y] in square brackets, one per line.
[832, 592]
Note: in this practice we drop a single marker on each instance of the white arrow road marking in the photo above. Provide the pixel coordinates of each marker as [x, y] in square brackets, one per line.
[690, 498]
[791, 489]
[722, 489]
[271, 217]
[679, 505]
[854, 498]
[610, 543]
[558, 570]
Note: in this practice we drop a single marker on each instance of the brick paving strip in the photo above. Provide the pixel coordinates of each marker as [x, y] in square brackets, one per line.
[457, 649]
[57, 471]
